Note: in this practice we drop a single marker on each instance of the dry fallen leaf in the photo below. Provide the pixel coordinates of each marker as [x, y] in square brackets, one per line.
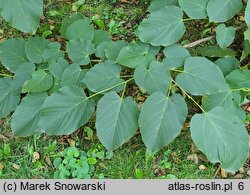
[241, 170]
[223, 173]
[1, 166]
[202, 167]
[71, 142]
[248, 172]
[36, 156]
[15, 166]
[194, 158]
[238, 176]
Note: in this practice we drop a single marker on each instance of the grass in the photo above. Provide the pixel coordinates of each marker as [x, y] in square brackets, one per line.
[17, 154]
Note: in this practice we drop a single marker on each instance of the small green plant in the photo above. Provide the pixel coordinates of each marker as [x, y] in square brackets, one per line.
[73, 163]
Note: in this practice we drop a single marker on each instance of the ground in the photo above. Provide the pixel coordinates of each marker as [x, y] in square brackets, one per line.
[33, 157]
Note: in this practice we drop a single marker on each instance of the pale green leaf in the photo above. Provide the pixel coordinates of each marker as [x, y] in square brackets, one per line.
[103, 76]
[67, 21]
[57, 68]
[175, 56]
[152, 79]
[52, 52]
[113, 49]
[223, 10]
[116, 120]
[164, 27]
[8, 99]
[161, 120]
[222, 137]
[227, 64]
[239, 79]
[65, 111]
[231, 101]
[159, 4]
[26, 116]
[80, 29]
[224, 35]
[100, 36]
[195, 9]
[40, 81]
[201, 77]
[12, 54]
[80, 50]
[34, 49]
[216, 52]
[23, 15]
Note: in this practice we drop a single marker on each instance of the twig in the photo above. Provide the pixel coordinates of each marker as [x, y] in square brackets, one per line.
[198, 42]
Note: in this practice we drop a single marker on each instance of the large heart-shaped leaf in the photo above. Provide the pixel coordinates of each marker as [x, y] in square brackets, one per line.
[100, 36]
[52, 52]
[65, 111]
[68, 20]
[23, 14]
[152, 79]
[239, 79]
[133, 55]
[195, 9]
[57, 68]
[103, 76]
[26, 116]
[80, 50]
[73, 75]
[175, 56]
[80, 29]
[39, 82]
[12, 54]
[222, 137]
[159, 4]
[229, 100]
[201, 77]
[112, 49]
[34, 49]
[164, 27]
[8, 98]
[221, 11]
[116, 120]
[227, 64]
[161, 119]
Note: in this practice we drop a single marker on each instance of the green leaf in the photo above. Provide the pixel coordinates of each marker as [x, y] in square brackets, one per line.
[133, 55]
[222, 137]
[175, 56]
[100, 49]
[164, 27]
[73, 75]
[116, 120]
[247, 14]
[159, 4]
[57, 68]
[12, 54]
[217, 52]
[39, 82]
[222, 11]
[152, 79]
[68, 21]
[103, 76]
[229, 100]
[113, 49]
[80, 29]
[22, 74]
[161, 119]
[26, 116]
[80, 50]
[239, 79]
[195, 9]
[65, 111]
[23, 15]
[52, 52]
[227, 64]
[201, 77]
[224, 35]
[34, 49]
[100, 36]
[8, 99]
